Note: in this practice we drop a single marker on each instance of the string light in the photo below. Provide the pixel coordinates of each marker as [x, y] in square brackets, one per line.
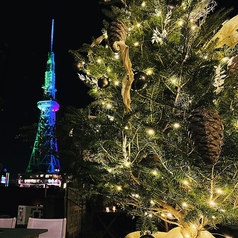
[180, 22]
[119, 188]
[219, 191]
[127, 163]
[99, 60]
[148, 214]
[185, 182]
[135, 195]
[108, 106]
[154, 172]
[111, 118]
[184, 5]
[158, 12]
[116, 56]
[149, 71]
[150, 132]
[117, 83]
[71, 132]
[212, 203]
[193, 27]
[176, 125]
[143, 4]
[174, 80]
[80, 65]
[184, 204]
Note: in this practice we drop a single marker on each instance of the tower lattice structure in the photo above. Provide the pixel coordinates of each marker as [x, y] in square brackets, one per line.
[44, 157]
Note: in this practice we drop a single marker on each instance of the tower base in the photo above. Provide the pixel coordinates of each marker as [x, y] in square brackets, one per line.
[41, 180]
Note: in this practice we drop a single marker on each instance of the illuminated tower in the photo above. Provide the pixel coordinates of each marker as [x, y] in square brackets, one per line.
[44, 156]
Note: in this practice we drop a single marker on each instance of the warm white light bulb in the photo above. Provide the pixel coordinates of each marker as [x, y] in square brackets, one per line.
[119, 188]
[185, 182]
[108, 106]
[180, 22]
[149, 71]
[99, 60]
[150, 132]
[158, 13]
[212, 203]
[135, 195]
[193, 27]
[143, 4]
[174, 80]
[127, 164]
[184, 204]
[176, 125]
[154, 172]
[111, 118]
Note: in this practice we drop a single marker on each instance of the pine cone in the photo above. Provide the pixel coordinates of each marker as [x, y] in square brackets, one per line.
[116, 31]
[206, 131]
[232, 66]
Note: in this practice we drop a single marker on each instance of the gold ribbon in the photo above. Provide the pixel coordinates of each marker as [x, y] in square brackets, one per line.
[127, 79]
[228, 34]
[97, 41]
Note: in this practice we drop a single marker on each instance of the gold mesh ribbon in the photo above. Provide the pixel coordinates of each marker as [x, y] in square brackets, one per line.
[97, 41]
[128, 79]
[228, 34]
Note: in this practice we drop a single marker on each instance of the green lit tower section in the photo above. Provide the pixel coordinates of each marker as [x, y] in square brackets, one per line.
[44, 156]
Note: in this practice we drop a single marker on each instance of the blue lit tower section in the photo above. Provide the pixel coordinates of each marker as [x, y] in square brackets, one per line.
[44, 156]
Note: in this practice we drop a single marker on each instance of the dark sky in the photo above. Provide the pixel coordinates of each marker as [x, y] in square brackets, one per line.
[24, 43]
[25, 28]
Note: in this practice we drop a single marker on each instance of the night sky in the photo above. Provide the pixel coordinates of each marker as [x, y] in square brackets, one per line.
[24, 43]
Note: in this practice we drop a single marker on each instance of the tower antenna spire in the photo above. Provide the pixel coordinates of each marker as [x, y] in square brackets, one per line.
[52, 36]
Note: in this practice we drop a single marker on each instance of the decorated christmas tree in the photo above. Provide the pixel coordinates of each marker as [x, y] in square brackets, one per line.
[162, 129]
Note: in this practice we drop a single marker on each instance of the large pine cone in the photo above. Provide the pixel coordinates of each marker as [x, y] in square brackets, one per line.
[117, 31]
[233, 65]
[206, 131]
